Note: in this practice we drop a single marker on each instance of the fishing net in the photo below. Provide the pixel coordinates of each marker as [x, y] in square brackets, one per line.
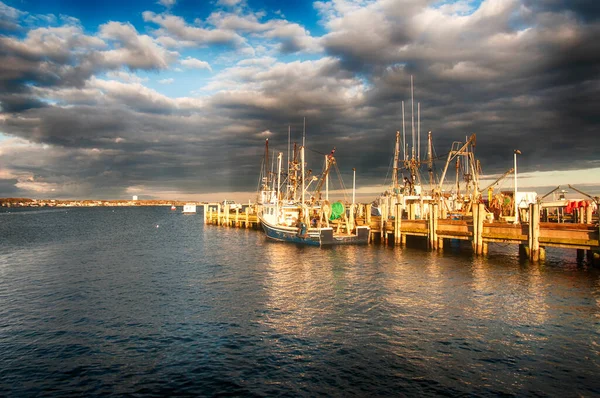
[337, 209]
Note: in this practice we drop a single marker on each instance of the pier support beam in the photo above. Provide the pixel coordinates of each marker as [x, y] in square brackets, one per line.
[384, 216]
[227, 215]
[247, 217]
[433, 223]
[218, 214]
[588, 215]
[478, 218]
[533, 236]
[398, 224]
[204, 211]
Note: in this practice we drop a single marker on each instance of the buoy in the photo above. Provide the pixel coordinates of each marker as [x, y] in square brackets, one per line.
[156, 225]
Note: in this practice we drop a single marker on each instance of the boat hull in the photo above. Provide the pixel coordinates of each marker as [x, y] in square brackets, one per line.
[314, 236]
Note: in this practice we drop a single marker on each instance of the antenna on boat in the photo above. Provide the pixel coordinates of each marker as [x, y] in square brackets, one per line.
[403, 134]
[288, 157]
[267, 163]
[326, 181]
[419, 131]
[353, 184]
[304, 131]
[396, 155]
[279, 156]
[272, 170]
[302, 160]
[412, 114]
[430, 160]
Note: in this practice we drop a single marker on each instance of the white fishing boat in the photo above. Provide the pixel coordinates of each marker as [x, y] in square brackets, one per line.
[287, 218]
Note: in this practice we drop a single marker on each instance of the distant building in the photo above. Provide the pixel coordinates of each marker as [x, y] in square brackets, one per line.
[134, 197]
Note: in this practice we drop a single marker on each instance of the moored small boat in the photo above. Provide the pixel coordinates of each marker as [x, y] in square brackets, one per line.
[189, 208]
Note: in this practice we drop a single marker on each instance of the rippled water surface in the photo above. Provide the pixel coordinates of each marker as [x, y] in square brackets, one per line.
[147, 301]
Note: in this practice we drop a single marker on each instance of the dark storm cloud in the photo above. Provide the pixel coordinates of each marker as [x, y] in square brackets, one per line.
[18, 102]
[518, 74]
[66, 57]
[521, 78]
[587, 10]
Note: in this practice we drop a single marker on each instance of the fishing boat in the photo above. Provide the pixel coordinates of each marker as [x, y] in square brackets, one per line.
[287, 223]
[286, 217]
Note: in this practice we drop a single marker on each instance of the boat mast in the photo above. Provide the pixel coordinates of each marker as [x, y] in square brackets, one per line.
[304, 132]
[419, 132]
[353, 185]
[412, 114]
[403, 134]
[279, 156]
[288, 158]
[273, 173]
[267, 163]
[326, 181]
[302, 160]
[329, 161]
[295, 166]
[396, 155]
[430, 160]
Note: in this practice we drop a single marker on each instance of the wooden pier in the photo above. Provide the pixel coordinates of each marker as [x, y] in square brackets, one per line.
[217, 214]
[532, 237]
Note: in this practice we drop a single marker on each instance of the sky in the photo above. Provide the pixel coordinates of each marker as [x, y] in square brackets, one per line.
[174, 99]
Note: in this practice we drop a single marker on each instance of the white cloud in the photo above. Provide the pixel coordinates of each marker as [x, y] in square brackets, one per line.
[136, 51]
[60, 44]
[176, 28]
[167, 3]
[166, 81]
[9, 17]
[291, 36]
[229, 3]
[126, 77]
[195, 63]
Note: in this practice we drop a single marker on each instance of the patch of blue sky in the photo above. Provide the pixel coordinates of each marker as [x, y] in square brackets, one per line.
[301, 12]
[299, 56]
[178, 85]
[460, 7]
[91, 14]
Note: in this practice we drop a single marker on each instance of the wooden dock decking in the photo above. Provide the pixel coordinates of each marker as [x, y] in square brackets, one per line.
[532, 237]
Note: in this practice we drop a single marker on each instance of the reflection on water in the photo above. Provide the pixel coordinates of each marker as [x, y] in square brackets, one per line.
[97, 302]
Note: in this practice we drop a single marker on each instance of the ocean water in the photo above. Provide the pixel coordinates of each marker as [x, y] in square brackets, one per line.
[150, 302]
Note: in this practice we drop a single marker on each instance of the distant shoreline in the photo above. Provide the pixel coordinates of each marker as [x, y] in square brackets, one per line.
[27, 202]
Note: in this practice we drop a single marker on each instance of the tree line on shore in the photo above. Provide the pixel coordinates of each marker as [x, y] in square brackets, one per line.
[28, 202]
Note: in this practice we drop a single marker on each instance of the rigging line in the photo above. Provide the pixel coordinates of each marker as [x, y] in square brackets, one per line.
[262, 163]
[388, 171]
[315, 151]
[341, 183]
